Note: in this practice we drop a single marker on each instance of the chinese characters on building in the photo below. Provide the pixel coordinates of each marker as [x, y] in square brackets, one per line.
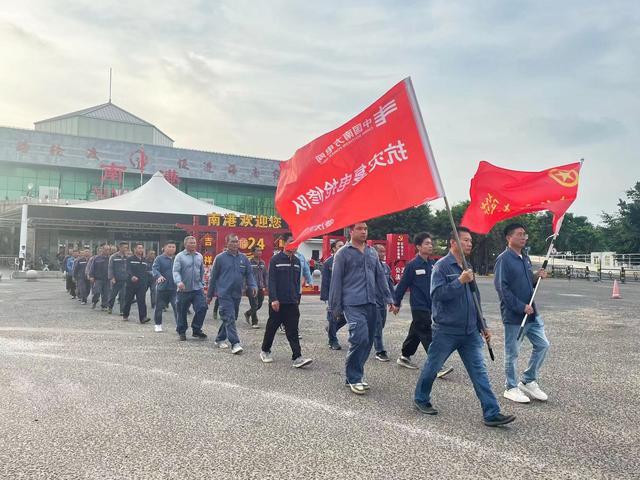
[233, 220]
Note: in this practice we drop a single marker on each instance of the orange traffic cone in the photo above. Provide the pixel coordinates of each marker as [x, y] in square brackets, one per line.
[616, 290]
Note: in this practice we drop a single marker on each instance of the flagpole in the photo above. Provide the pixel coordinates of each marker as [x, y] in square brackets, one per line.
[433, 167]
[520, 336]
[141, 162]
[473, 285]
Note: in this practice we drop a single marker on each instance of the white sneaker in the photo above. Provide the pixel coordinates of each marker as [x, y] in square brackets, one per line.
[515, 395]
[237, 348]
[532, 389]
[157, 328]
[301, 362]
[406, 363]
[266, 357]
[221, 345]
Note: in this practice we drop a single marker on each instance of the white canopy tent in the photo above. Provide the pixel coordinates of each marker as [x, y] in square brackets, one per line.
[156, 196]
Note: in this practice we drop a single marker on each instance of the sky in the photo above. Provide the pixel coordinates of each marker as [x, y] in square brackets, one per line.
[523, 85]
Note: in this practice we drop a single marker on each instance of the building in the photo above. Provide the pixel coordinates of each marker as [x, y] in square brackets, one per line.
[105, 151]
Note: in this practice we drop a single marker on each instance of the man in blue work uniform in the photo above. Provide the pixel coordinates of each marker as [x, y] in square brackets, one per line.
[457, 326]
[99, 277]
[333, 324]
[230, 272]
[137, 278]
[305, 278]
[80, 276]
[162, 271]
[514, 281]
[284, 300]
[151, 284]
[356, 276]
[118, 276]
[417, 277]
[68, 270]
[188, 275]
[305, 270]
[260, 275]
[378, 343]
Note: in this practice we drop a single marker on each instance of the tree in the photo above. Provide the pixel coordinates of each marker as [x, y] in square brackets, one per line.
[411, 221]
[622, 230]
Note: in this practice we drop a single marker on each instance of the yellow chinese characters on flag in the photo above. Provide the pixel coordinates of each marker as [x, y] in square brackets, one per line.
[490, 204]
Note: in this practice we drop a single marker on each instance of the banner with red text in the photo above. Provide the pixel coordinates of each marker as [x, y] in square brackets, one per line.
[377, 163]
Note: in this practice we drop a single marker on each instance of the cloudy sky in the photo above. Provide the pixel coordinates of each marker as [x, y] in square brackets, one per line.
[524, 85]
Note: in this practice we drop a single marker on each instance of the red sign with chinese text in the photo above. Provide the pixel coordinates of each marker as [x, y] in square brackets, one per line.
[399, 252]
[377, 163]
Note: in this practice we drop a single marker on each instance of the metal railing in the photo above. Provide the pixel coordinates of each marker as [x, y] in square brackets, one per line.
[627, 260]
[569, 272]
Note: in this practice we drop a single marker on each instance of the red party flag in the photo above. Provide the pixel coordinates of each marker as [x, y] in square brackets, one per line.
[377, 163]
[497, 194]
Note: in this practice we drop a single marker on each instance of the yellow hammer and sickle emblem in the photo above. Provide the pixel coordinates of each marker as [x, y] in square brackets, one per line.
[566, 178]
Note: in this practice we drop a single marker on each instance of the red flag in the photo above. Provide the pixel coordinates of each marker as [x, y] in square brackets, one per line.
[497, 194]
[377, 163]
[143, 159]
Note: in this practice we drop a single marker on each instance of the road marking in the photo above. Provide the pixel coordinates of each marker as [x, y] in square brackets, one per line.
[475, 448]
[570, 295]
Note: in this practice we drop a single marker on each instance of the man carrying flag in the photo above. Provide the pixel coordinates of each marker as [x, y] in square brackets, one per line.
[356, 171]
[514, 280]
[457, 325]
[498, 194]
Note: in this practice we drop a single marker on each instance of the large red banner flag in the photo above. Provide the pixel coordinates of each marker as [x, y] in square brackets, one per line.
[497, 194]
[377, 163]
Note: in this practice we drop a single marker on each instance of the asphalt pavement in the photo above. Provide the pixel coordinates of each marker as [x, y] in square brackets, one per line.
[84, 395]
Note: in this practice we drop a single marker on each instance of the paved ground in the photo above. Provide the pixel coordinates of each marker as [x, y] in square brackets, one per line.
[84, 395]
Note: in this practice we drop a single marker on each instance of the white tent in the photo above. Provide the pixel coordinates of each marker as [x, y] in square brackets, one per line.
[156, 196]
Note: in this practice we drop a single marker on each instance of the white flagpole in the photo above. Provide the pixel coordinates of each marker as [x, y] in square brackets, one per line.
[535, 290]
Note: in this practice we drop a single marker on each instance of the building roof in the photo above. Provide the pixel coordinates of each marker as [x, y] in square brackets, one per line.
[107, 111]
[156, 196]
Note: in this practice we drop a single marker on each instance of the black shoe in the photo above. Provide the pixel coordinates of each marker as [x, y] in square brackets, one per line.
[144, 320]
[499, 419]
[382, 356]
[93, 305]
[199, 334]
[425, 408]
[183, 337]
[335, 346]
